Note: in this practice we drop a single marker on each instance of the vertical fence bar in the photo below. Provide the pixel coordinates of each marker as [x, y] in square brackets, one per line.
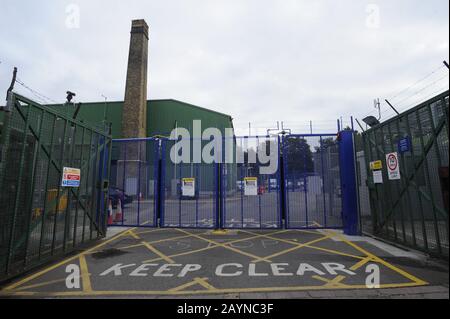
[180, 193]
[375, 203]
[94, 189]
[286, 185]
[322, 147]
[387, 188]
[196, 197]
[278, 177]
[383, 211]
[163, 182]
[36, 154]
[242, 193]
[61, 160]
[428, 183]
[419, 196]
[86, 192]
[109, 159]
[44, 209]
[78, 192]
[68, 208]
[217, 178]
[104, 186]
[156, 179]
[438, 153]
[405, 186]
[139, 185]
[124, 175]
[305, 183]
[19, 185]
[392, 146]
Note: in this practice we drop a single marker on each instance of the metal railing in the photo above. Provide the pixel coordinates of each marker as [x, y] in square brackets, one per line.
[412, 211]
[40, 219]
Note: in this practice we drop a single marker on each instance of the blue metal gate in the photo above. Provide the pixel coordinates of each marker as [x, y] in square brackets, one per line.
[262, 208]
[134, 182]
[198, 209]
[260, 182]
[312, 182]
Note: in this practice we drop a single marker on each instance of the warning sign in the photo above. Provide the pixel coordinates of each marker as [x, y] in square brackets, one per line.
[251, 186]
[376, 165]
[393, 166]
[71, 177]
[188, 187]
[378, 177]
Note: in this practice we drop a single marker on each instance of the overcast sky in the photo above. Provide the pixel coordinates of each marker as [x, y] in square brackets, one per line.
[259, 61]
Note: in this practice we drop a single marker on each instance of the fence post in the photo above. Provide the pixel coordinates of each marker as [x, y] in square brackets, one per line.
[349, 195]
[218, 173]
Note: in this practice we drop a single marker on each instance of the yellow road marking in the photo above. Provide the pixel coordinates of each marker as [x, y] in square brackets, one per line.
[133, 234]
[198, 292]
[204, 283]
[224, 245]
[369, 257]
[183, 286]
[291, 249]
[197, 281]
[332, 251]
[159, 253]
[307, 231]
[150, 231]
[360, 263]
[182, 254]
[309, 246]
[44, 271]
[381, 261]
[86, 281]
[211, 246]
[335, 282]
[41, 284]
[155, 242]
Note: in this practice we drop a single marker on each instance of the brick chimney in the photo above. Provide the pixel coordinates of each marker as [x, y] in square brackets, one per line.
[134, 118]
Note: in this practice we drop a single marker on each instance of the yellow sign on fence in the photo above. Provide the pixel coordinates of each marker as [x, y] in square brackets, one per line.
[377, 165]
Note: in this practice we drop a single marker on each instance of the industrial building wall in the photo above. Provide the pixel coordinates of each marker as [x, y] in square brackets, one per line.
[164, 115]
[161, 116]
[94, 113]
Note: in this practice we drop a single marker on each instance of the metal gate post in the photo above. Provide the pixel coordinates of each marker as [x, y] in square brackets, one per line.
[218, 177]
[347, 160]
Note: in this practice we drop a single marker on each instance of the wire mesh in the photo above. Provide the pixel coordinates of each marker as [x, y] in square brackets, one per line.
[413, 210]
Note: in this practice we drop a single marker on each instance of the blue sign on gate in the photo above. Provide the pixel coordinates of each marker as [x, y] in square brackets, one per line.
[404, 145]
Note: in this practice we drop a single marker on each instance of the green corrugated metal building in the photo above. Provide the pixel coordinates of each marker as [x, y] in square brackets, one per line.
[162, 116]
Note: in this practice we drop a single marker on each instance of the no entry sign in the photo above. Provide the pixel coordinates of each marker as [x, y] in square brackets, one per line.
[393, 166]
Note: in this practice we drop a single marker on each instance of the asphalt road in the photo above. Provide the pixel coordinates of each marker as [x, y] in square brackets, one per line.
[177, 262]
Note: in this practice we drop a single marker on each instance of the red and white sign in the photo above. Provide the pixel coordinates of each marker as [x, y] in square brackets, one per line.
[71, 177]
[393, 166]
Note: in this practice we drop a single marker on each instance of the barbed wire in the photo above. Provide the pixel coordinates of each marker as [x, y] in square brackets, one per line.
[386, 108]
[415, 83]
[421, 90]
[41, 96]
[417, 102]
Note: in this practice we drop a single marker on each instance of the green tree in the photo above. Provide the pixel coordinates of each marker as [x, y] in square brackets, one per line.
[298, 154]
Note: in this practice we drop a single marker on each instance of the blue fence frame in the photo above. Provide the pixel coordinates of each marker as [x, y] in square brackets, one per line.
[266, 212]
[299, 212]
[204, 206]
[139, 161]
[327, 196]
